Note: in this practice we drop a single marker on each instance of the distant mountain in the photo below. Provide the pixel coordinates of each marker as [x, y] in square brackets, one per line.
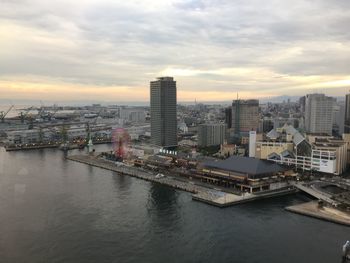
[279, 99]
[276, 99]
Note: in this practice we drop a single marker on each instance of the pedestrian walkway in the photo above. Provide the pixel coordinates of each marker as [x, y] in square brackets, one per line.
[313, 192]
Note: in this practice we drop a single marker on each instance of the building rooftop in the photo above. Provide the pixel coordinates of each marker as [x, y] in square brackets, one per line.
[328, 144]
[165, 78]
[318, 134]
[273, 134]
[246, 165]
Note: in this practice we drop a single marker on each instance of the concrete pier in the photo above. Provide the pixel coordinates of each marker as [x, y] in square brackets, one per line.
[325, 213]
[33, 146]
[226, 199]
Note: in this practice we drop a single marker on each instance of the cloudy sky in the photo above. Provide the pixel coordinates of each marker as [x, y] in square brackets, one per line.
[110, 49]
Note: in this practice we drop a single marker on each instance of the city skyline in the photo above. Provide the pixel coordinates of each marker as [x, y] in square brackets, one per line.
[109, 50]
[174, 131]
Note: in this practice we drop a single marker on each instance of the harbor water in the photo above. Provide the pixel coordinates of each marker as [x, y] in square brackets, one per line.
[56, 210]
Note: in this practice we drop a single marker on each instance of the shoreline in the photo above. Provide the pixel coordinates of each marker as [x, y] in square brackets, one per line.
[200, 193]
[329, 214]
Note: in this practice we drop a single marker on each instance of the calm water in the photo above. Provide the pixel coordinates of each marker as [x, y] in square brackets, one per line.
[53, 210]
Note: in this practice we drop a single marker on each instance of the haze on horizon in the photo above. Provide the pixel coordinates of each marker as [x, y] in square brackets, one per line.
[110, 50]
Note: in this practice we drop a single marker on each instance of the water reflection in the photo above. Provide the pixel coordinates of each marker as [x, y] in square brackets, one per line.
[64, 161]
[162, 198]
[163, 207]
[90, 171]
[41, 154]
[121, 182]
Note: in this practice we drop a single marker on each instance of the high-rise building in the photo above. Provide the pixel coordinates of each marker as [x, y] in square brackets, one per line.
[266, 124]
[228, 117]
[211, 134]
[347, 114]
[319, 113]
[338, 118]
[163, 112]
[302, 104]
[245, 116]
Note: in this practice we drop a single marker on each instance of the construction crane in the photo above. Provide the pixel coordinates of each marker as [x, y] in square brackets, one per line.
[42, 112]
[4, 113]
[23, 114]
[52, 114]
[64, 133]
[89, 124]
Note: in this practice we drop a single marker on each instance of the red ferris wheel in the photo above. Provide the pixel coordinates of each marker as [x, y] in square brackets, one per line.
[121, 140]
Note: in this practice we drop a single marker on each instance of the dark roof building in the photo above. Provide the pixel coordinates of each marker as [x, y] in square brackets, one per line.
[248, 167]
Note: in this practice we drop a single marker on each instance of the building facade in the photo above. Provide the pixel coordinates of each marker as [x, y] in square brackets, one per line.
[319, 113]
[133, 115]
[163, 112]
[338, 118]
[323, 153]
[211, 134]
[347, 114]
[245, 116]
[228, 117]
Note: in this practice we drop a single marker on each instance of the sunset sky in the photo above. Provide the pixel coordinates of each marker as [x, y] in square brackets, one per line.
[109, 50]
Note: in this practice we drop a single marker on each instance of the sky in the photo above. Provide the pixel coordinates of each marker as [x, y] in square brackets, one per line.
[109, 50]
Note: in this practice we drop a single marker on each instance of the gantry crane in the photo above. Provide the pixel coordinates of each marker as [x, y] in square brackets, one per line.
[4, 113]
[89, 124]
[23, 114]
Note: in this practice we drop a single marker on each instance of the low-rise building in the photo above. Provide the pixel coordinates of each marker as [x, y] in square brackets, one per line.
[289, 147]
[263, 149]
[23, 136]
[245, 173]
[331, 149]
[133, 115]
[227, 150]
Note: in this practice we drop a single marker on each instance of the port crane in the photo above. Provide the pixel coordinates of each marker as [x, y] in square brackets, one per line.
[23, 114]
[89, 124]
[3, 114]
[52, 114]
[44, 114]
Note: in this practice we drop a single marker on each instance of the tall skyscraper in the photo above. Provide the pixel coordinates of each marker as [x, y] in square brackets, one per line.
[163, 112]
[245, 116]
[338, 118]
[302, 104]
[319, 113]
[347, 114]
[228, 117]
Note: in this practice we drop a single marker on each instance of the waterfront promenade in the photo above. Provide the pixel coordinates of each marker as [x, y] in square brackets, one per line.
[206, 194]
[209, 195]
[311, 190]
